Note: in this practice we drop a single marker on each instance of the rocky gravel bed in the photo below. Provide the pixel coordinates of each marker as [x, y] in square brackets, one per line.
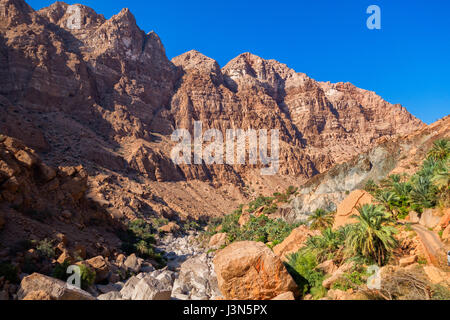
[189, 274]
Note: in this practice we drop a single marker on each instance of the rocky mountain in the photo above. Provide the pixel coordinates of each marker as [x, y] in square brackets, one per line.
[88, 106]
[105, 96]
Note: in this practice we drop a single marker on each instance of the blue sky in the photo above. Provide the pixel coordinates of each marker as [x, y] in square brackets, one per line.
[407, 61]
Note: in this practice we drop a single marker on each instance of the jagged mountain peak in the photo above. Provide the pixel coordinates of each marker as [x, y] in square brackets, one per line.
[60, 12]
[193, 59]
[14, 12]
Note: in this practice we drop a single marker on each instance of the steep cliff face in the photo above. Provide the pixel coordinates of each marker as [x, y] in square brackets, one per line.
[102, 93]
[339, 118]
[402, 154]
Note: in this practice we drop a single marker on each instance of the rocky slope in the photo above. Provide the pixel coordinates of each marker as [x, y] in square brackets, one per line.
[106, 96]
[403, 154]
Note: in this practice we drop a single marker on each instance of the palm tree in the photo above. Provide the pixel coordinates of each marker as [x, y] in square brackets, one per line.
[142, 249]
[423, 193]
[370, 186]
[429, 166]
[389, 199]
[321, 219]
[371, 237]
[391, 180]
[441, 181]
[440, 150]
[441, 178]
[326, 245]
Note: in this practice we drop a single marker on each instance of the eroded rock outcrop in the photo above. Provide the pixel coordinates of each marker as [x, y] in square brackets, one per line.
[251, 271]
[40, 286]
[349, 207]
[294, 242]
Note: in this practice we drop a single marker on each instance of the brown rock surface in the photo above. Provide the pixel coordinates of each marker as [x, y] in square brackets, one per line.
[37, 295]
[218, 240]
[436, 275]
[171, 227]
[56, 289]
[348, 207]
[407, 261]
[446, 234]
[430, 218]
[293, 242]
[285, 296]
[101, 267]
[327, 267]
[251, 271]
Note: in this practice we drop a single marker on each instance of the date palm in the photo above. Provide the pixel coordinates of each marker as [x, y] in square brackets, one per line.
[440, 150]
[423, 193]
[321, 219]
[441, 178]
[389, 199]
[371, 237]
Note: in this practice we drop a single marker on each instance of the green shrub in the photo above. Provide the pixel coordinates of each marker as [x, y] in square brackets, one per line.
[351, 280]
[321, 219]
[427, 188]
[301, 266]
[45, 249]
[138, 239]
[371, 186]
[259, 202]
[191, 225]
[87, 275]
[291, 190]
[262, 229]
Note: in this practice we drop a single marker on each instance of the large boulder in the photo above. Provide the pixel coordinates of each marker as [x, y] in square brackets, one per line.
[218, 240]
[445, 219]
[285, 296]
[101, 267]
[133, 263]
[249, 270]
[244, 218]
[327, 267]
[127, 291]
[53, 288]
[430, 218]
[446, 234]
[37, 295]
[197, 280]
[348, 207]
[293, 242]
[436, 275]
[147, 287]
[112, 295]
[171, 227]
